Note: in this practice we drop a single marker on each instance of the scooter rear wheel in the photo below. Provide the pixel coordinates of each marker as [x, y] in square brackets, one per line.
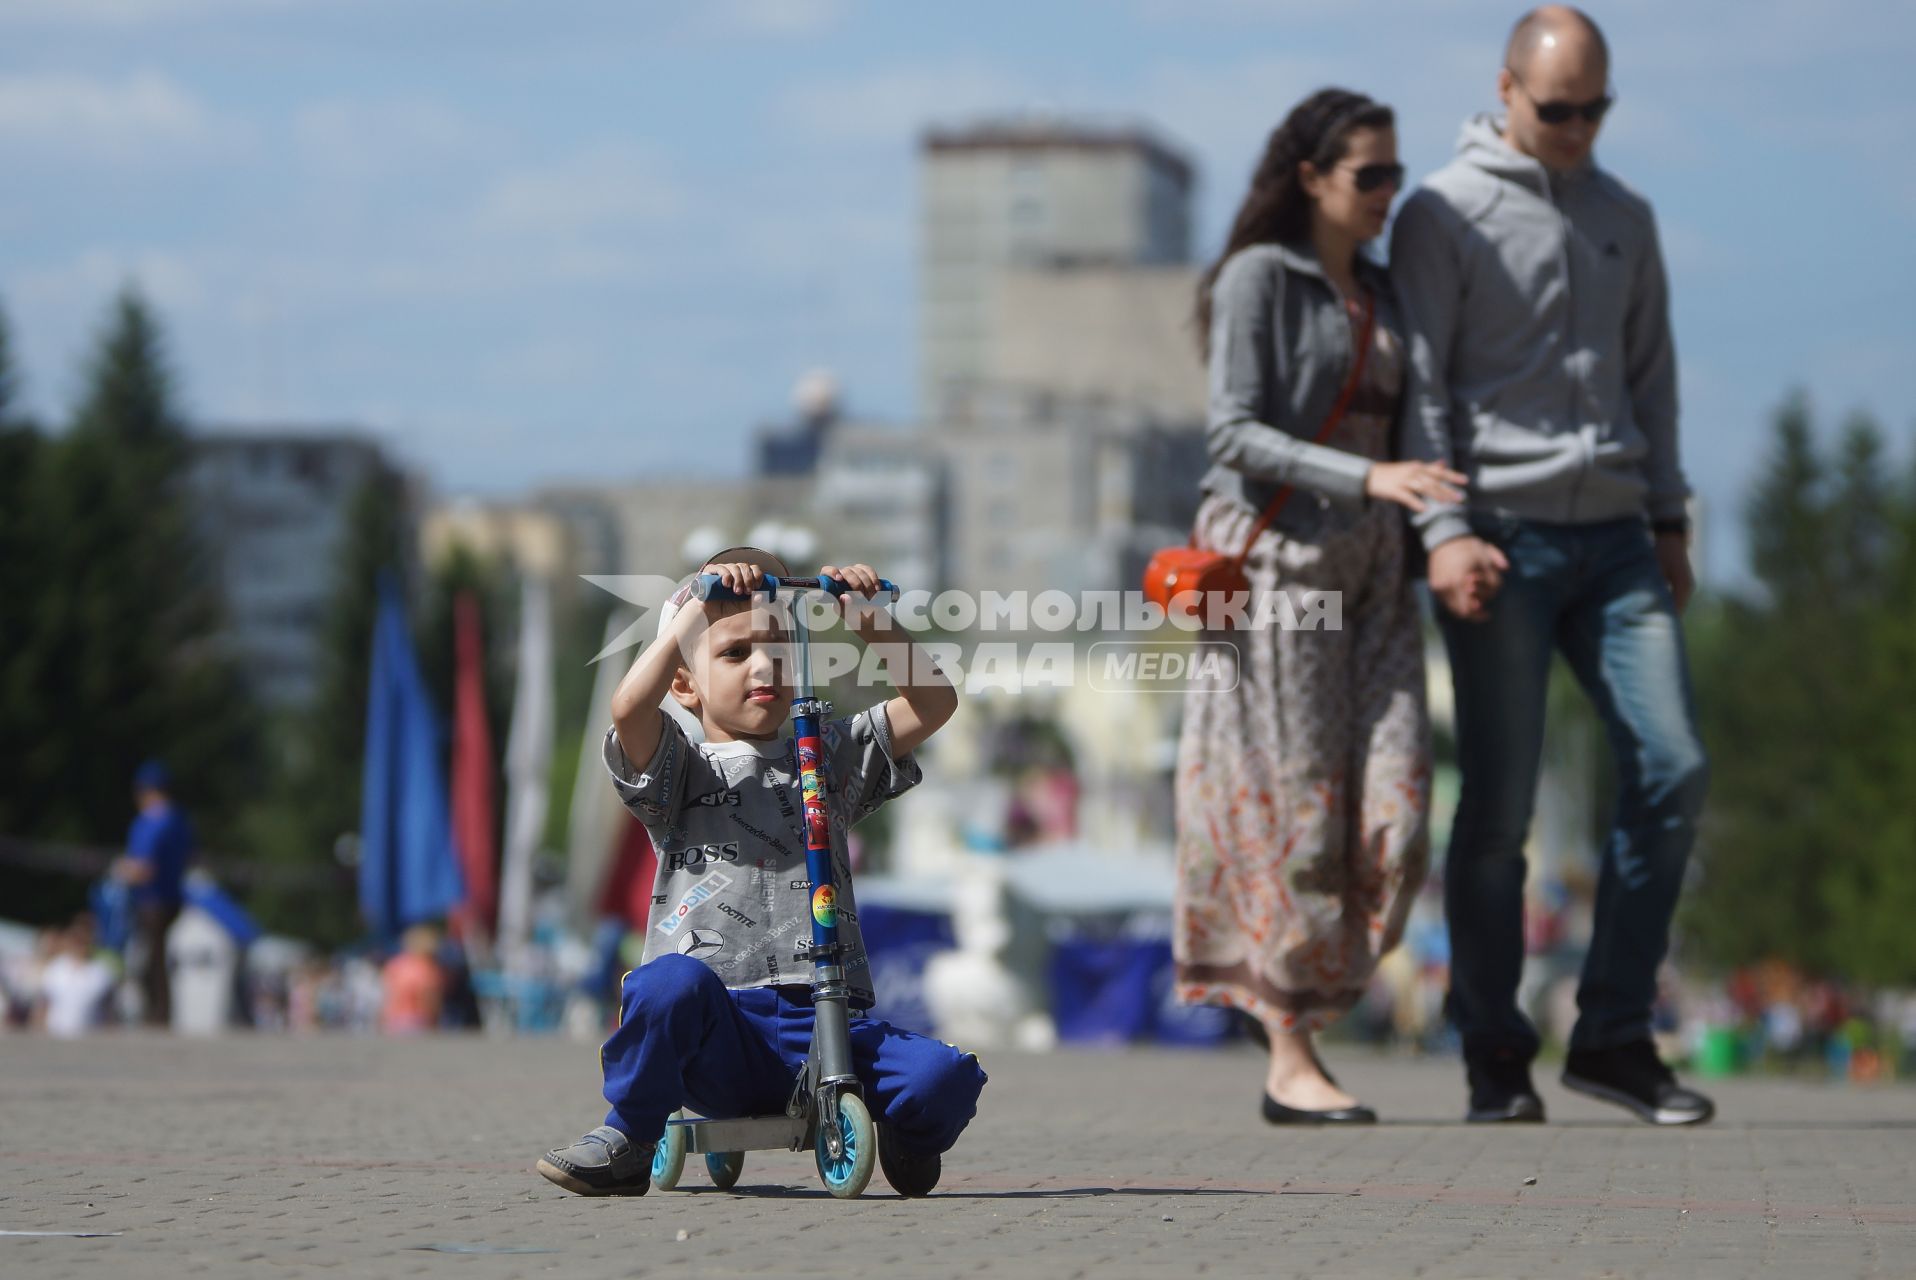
[724, 1166]
[845, 1176]
[668, 1158]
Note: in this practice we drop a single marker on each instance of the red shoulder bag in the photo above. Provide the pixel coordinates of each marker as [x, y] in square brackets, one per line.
[1192, 576]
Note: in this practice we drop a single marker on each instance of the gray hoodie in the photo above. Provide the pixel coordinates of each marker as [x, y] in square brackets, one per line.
[1538, 318]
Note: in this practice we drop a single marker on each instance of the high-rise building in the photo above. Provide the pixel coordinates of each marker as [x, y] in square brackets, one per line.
[1032, 194]
[272, 507]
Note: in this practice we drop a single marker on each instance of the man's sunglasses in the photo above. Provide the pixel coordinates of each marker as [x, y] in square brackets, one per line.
[1560, 112]
[1372, 176]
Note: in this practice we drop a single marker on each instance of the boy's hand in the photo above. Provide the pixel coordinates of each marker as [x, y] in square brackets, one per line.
[861, 580]
[740, 578]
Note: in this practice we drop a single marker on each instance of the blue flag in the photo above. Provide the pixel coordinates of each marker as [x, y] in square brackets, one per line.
[407, 870]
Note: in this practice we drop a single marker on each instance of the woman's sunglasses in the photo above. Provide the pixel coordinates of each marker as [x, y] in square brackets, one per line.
[1560, 112]
[1372, 176]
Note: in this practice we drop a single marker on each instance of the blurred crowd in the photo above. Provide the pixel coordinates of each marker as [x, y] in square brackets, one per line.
[69, 983]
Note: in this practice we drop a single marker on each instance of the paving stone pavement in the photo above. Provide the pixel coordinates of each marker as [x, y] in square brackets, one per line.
[270, 1156]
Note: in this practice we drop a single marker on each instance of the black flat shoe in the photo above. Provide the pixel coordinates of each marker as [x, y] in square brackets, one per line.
[1276, 1112]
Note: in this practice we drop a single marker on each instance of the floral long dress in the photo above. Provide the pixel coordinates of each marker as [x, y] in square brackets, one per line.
[1303, 777]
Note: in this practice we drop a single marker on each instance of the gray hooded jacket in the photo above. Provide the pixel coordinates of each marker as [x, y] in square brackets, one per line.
[1541, 362]
[1281, 351]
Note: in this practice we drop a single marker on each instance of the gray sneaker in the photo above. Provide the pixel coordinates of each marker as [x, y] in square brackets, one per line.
[603, 1163]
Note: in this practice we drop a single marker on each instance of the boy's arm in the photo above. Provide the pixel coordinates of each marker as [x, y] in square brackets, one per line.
[926, 698]
[636, 716]
[635, 703]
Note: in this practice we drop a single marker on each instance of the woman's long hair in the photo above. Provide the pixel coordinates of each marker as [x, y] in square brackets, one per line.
[1277, 210]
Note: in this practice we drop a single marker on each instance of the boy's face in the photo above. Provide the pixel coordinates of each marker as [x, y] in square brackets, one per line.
[739, 679]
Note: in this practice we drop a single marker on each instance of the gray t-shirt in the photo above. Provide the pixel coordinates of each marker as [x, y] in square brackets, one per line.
[726, 822]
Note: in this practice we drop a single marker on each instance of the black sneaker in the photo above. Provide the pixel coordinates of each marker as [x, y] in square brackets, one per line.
[911, 1173]
[1632, 1076]
[1500, 1090]
[603, 1163]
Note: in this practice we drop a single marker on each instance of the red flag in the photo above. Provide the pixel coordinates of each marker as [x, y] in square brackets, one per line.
[627, 894]
[474, 826]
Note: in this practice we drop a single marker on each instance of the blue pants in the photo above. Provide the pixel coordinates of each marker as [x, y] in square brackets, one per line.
[1596, 593]
[686, 1039]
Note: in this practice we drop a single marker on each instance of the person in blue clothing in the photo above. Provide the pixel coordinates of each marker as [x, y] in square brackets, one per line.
[159, 844]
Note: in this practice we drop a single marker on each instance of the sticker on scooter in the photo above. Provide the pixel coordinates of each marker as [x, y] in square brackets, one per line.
[825, 905]
[713, 882]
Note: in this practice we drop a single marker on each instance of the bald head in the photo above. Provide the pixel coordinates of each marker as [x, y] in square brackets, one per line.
[1555, 85]
[1555, 31]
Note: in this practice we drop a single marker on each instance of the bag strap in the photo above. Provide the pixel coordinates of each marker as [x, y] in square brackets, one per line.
[1337, 413]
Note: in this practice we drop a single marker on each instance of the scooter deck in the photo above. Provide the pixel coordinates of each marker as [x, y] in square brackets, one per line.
[749, 1133]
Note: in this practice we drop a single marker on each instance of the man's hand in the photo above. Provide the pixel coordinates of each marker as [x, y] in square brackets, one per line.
[1673, 557]
[1465, 573]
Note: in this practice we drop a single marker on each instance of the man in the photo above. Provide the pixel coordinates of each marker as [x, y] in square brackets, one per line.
[158, 846]
[1537, 311]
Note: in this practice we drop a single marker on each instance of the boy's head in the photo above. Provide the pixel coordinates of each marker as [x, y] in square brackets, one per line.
[736, 674]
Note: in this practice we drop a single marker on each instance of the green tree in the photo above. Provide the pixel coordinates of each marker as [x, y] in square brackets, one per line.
[1804, 853]
[24, 706]
[120, 656]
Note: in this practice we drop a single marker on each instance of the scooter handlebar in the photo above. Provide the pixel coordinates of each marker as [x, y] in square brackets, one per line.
[711, 587]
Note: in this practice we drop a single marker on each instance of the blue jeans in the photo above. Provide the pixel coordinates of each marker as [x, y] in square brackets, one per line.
[1596, 593]
[686, 1039]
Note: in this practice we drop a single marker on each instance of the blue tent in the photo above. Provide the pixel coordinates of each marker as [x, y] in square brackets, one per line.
[407, 869]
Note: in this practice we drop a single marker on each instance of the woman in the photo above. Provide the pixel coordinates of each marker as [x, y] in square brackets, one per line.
[1303, 772]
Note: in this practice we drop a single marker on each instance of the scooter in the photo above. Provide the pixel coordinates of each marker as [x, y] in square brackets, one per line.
[827, 1111]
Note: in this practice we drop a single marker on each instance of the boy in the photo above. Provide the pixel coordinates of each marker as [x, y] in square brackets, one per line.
[718, 1017]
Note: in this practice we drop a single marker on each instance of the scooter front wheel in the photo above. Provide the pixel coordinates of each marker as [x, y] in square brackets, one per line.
[724, 1166]
[668, 1158]
[846, 1174]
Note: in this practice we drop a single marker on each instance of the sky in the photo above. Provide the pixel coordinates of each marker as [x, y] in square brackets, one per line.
[578, 240]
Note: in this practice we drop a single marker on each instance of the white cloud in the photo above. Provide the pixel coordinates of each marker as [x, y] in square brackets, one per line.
[888, 105]
[774, 18]
[614, 186]
[170, 281]
[368, 138]
[134, 13]
[1196, 12]
[143, 116]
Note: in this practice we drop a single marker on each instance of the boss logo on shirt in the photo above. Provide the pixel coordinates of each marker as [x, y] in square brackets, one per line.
[702, 855]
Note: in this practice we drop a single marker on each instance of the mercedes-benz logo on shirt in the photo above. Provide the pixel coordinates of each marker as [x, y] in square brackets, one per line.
[701, 942]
